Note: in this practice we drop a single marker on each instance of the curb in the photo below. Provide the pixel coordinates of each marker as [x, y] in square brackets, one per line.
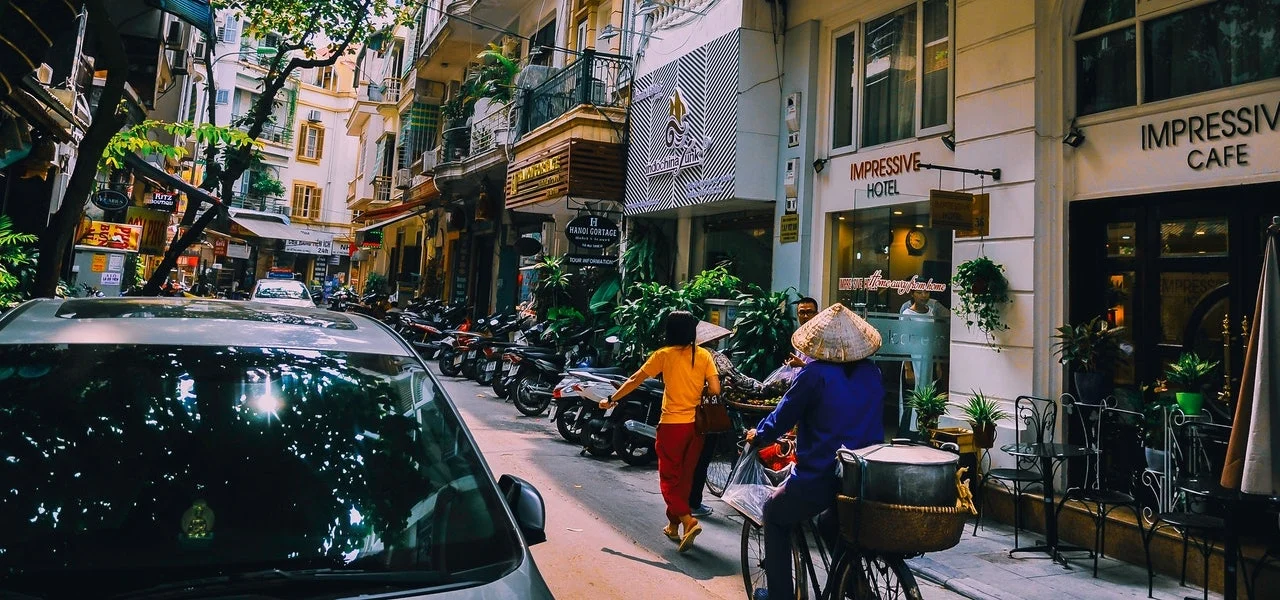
[955, 581]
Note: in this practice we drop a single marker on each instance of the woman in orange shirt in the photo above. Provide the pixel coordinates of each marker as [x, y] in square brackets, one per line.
[687, 370]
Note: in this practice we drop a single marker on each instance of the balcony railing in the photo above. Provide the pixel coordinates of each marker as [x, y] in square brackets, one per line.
[382, 188]
[271, 132]
[482, 136]
[594, 79]
[272, 205]
[388, 91]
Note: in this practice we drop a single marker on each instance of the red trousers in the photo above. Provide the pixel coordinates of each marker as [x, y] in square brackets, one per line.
[678, 447]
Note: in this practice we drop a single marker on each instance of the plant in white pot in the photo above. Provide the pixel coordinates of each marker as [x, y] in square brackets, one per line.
[1091, 350]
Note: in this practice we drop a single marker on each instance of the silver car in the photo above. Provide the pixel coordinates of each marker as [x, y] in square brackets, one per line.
[285, 292]
[184, 448]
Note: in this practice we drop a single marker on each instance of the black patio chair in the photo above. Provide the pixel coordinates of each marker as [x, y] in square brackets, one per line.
[1197, 486]
[1099, 492]
[1037, 417]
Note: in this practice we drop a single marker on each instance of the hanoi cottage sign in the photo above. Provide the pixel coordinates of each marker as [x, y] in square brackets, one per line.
[593, 232]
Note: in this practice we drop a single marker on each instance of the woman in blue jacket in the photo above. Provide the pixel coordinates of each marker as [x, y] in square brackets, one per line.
[836, 401]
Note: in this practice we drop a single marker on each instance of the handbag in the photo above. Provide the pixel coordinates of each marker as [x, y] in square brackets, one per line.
[711, 417]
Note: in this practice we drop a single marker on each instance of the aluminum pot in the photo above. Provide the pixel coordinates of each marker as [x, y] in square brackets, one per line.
[900, 474]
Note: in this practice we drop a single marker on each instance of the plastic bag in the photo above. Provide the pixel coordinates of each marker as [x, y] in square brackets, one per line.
[749, 487]
[784, 373]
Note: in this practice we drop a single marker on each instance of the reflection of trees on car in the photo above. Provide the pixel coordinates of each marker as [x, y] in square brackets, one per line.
[298, 455]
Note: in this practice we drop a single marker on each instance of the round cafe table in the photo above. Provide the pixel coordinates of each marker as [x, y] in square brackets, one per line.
[1047, 454]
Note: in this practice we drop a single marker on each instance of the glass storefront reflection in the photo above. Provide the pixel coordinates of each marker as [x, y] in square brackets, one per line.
[891, 267]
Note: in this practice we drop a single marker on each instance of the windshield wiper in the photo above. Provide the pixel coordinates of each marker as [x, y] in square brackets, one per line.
[254, 580]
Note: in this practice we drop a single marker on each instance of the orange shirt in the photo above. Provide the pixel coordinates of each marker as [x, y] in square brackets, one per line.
[684, 370]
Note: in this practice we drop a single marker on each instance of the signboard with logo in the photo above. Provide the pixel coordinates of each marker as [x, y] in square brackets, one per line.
[164, 201]
[340, 249]
[280, 273]
[372, 239]
[110, 200]
[117, 236]
[592, 232]
[575, 167]
[315, 247]
[155, 228]
[691, 143]
[950, 210]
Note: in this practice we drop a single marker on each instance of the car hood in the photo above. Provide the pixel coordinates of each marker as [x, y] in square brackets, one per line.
[525, 583]
[286, 302]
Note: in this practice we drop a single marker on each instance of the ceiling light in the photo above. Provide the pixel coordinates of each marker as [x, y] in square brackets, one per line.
[897, 212]
[841, 217]
[1124, 237]
[1199, 232]
[920, 225]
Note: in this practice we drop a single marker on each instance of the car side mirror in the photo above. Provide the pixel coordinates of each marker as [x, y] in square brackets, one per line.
[526, 504]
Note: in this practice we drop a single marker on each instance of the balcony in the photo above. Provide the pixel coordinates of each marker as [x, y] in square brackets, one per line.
[387, 92]
[382, 189]
[595, 79]
[277, 206]
[471, 149]
[271, 132]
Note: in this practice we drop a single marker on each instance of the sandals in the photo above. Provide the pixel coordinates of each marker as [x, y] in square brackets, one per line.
[686, 541]
[672, 532]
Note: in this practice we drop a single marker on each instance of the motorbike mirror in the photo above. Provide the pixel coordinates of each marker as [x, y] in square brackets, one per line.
[613, 339]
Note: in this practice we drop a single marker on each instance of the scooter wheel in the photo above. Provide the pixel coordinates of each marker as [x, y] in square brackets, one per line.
[568, 426]
[633, 448]
[523, 395]
[500, 385]
[447, 368]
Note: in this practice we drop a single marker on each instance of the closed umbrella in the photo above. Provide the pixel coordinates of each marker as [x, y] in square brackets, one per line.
[1250, 467]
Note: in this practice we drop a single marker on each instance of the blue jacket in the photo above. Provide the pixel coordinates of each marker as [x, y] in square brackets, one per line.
[834, 405]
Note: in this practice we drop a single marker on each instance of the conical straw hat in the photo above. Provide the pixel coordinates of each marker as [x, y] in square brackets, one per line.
[837, 335]
[710, 332]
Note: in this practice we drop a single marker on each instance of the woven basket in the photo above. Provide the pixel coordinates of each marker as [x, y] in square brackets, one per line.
[750, 408]
[899, 528]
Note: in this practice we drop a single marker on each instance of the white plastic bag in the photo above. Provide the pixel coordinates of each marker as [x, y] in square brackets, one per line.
[749, 487]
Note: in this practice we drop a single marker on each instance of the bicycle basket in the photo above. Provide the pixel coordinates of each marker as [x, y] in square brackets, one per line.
[900, 528]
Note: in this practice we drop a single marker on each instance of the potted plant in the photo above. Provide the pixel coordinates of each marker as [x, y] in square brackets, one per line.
[983, 413]
[929, 403]
[1190, 376]
[1091, 350]
[1156, 402]
[983, 291]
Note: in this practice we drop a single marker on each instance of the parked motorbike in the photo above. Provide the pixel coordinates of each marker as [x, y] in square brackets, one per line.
[533, 374]
[608, 427]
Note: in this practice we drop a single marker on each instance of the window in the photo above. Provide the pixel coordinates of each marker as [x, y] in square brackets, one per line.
[583, 42]
[901, 64]
[540, 47]
[312, 146]
[360, 152]
[325, 78]
[306, 202]
[229, 32]
[223, 96]
[1177, 56]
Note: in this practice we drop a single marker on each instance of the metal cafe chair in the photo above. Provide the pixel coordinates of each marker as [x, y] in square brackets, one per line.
[1038, 418]
[1098, 493]
[1197, 480]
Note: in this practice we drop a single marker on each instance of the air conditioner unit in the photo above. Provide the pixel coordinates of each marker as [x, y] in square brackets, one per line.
[403, 177]
[200, 50]
[173, 39]
[313, 116]
[428, 161]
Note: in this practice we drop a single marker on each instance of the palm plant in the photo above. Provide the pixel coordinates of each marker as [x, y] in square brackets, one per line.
[16, 255]
[983, 414]
[929, 403]
[762, 331]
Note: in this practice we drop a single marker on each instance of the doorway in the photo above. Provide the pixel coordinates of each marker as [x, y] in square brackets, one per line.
[1174, 269]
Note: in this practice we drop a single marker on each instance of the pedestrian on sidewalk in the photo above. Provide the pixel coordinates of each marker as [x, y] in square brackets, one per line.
[836, 401]
[687, 370]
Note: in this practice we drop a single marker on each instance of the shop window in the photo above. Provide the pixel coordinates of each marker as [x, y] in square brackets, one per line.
[903, 72]
[306, 202]
[1119, 303]
[1193, 238]
[890, 266]
[312, 146]
[1180, 294]
[1120, 239]
[1178, 55]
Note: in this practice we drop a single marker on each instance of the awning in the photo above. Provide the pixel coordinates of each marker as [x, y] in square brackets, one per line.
[279, 231]
[390, 211]
[158, 175]
[395, 219]
[196, 12]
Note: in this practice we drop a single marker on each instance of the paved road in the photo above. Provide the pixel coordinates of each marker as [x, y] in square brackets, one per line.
[604, 518]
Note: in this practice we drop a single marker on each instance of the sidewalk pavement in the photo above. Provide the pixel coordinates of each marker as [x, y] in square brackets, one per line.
[980, 568]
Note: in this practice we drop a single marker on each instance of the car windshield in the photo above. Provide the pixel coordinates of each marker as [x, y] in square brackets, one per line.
[139, 466]
[294, 291]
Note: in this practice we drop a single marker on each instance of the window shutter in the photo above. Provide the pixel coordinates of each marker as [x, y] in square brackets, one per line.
[315, 204]
[302, 140]
[297, 201]
[319, 142]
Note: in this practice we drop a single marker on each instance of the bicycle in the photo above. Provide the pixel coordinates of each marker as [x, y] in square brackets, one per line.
[728, 446]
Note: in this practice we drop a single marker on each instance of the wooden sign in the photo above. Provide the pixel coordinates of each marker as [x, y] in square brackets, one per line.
[950, 210]
[981, 218]
[574, 167]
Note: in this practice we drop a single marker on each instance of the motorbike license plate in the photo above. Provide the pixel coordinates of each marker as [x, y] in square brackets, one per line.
[471, 354]
[609, 411]
[552, 418]
[457, 359]
[448, 341]
[508, 367]
[490, 367]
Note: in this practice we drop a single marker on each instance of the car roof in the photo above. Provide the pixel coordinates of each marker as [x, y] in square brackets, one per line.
[280, 282]
[194, 322]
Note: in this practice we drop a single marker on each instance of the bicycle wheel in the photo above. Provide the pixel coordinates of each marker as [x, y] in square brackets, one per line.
[873, 577]
[753, 576]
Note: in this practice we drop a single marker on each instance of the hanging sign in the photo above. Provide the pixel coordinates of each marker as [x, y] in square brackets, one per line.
[950, 210]
[591, 260]
[117, 236]
[110, 200]
[981, 218]
[595, 233]
[162, 201]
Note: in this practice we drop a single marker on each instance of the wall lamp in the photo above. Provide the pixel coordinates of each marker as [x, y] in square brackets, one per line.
[949, 141]
[819, 164]
[1074, 136]
[609, 32]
